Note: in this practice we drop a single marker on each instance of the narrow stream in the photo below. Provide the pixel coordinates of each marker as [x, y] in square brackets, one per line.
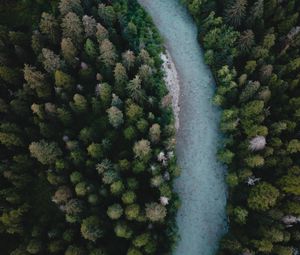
[202, 217]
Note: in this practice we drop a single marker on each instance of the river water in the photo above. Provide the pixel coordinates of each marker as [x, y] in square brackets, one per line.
[202, 217]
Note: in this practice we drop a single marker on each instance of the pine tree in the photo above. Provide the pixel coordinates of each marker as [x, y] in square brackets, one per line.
[36, 81]
[115, 116]
[128, 59]
[90, 25]
[72, 28]
[51, 61]
[108, 54]
[50, 27]
[135, 90]
[155, 212]
[91, 228]
[101, 33]
[235, 12]
[66, 6]
[69, 51]
[45, 152]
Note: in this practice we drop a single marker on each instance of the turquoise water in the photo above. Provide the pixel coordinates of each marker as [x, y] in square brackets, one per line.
[201, 218]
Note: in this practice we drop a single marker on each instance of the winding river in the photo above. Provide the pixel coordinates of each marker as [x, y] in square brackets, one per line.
[202, 217]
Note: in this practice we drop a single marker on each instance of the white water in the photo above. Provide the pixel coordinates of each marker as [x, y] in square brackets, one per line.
[202, 217]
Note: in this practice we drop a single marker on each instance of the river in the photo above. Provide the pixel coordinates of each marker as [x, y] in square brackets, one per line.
[202, 216]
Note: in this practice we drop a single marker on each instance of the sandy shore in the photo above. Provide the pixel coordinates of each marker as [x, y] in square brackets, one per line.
[173, 84]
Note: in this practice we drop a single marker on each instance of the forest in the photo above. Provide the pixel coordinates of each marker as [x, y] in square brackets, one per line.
[253, 49]
[87, 133]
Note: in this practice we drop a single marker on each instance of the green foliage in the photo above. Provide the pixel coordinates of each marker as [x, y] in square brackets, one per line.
[80, 93]
[123, 230]
[115, 116]
[44, 152]
[263, 197]
[255, 58]
[115, 211]
[155, 212]
[91, 228]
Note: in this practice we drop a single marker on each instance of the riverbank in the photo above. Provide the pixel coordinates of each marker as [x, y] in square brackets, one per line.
[201, 187]
[173, 84]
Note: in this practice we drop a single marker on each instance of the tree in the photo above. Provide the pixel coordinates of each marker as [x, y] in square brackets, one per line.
[293, 146]
[135, 90]
[66, 6]
[34, 246]
[264, 246]
[226, 156]
[120, 74]
[255, 161]
[249, 91]
[76, 177]
[107, 14]
[80, 103]
[130, 31]
[69, 51]
[232, 179]
[72, 28]
[64, 116]
[74, 209]
[50, 27]
[246, 41]
[115, 211]
[56, 246]
[63, 80]
[133, 251]
[141, 240]
[9, 75]
[90, 49]
[110, 176]
[283, 250]
[235, 12]
[142, 149]
[91, 228]
[45, 152]
[115, 116]
[51, 61]
[128, 59]
[132, 211]
[133, 112]
[101, 33]
[95, 150]
[123, 230]
[10, 139]
[144, 58]
[154, 133]
[98, 251]
[240, 215]
[145, 73]
[116, 188]
[90, 25]
[155, 212]
[290, 184]
[81, 189]
[62, 195]
[256, 12]
[74, 250]
[262, 197]
[257, 143]
[36, 81]
[128, 197]
[108, 54]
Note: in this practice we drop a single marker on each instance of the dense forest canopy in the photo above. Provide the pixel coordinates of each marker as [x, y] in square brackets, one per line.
[253, 47]
[87, 147]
